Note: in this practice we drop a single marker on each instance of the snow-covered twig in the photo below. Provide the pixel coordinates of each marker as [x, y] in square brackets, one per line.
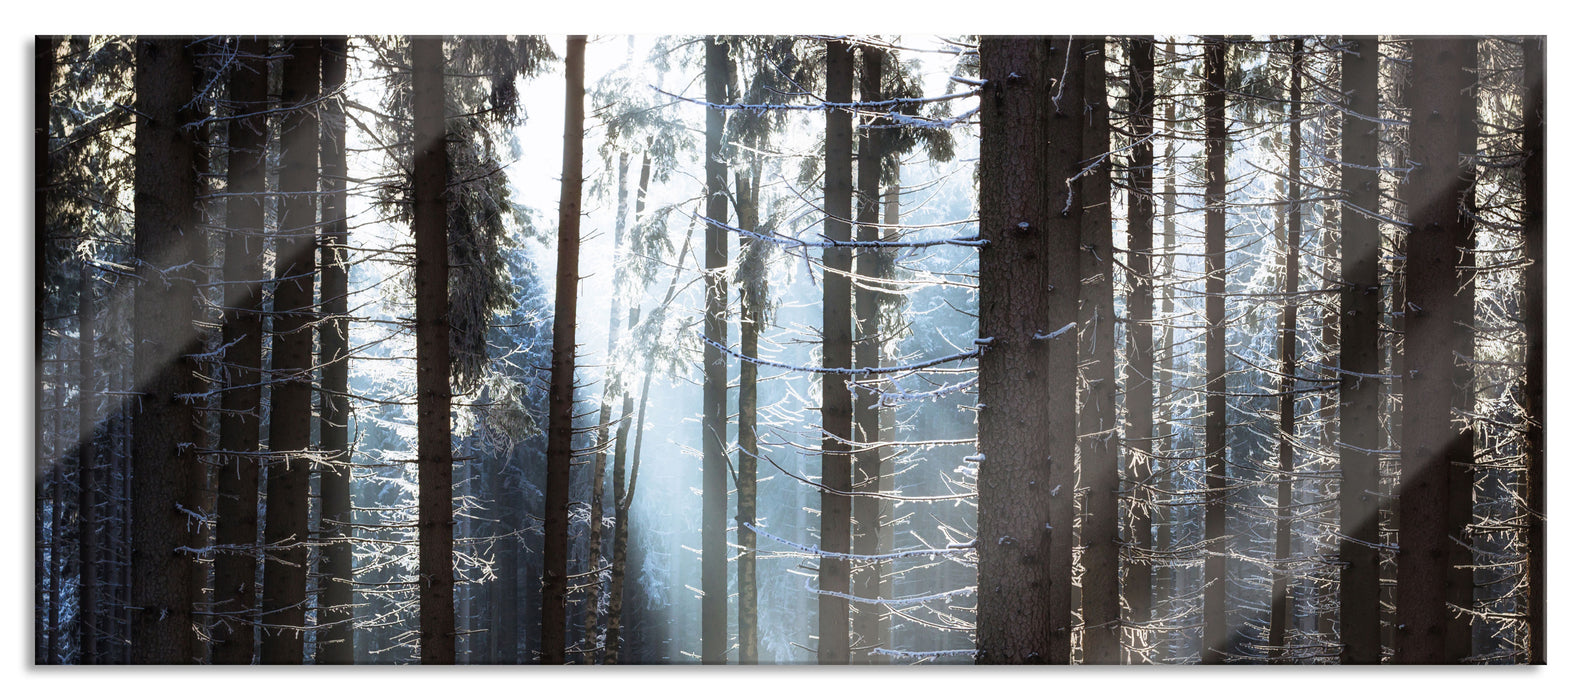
[851, 371]
[952, 551]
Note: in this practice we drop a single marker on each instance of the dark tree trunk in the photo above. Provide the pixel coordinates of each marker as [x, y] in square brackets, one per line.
[87, 476]
[1279, 605]
[1100, 475]
[557, 489]
[43, 78]
[1064, 105]
[1432, 197]
[752, 320]
[169, 247]
[235, 573]
[431, 275]
[867, 617]
[1216, 636]
[716, 256]
[291, 361]
[1462, 457]
[1359, 392]
[334, 641]
[1168, 577]
[1024, 511]
[1140, 340]
[834, 573]
[1534, 229]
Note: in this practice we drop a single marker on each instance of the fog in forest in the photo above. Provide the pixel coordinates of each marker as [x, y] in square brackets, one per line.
[1092, 349]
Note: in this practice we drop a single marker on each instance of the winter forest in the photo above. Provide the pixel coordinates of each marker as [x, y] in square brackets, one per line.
[854, 349]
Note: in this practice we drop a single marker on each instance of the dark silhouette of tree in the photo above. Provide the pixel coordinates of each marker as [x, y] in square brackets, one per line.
[1216, 638]
[563, 366]
[169, 247]
[1534, 230]
[1100, 477]
[1280, 605]
[834, 572]
[236, 514]
[1141, 442]
[291, 363]
[436, 579]
[334, 640]
[1359, 391]
[1432, 197]
[1024, 489]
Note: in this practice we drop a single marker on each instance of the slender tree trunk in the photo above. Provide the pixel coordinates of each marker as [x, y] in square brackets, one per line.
[607, 399]
[1168, 577]
[1279, 606]
[716, 256]
[1463, 452]
[334, 641]
[1432, 198]
[87, 476]
[1024, 489]
[590, 624]
[1534, 230]
[834, 573]
[57, 490]
[1140, 341]
[169, 245]
[235, 587]
[623, 495]
[562, 395]
[43, 79]
[291, 361]
[1100, 475]
[752, 319]
[887, 429]
[431, 273]
[867, 617]
[1359, 391]
[1216, 636]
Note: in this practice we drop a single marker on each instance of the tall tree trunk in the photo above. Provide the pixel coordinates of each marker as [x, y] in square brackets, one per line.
[1432, 198]
[623, 493]
[607, 399]
[1534, 230]
[1100, 475]
[1140, 340]
[716, 256]
[1168, 577]
[169, 247]
[867, 617]
[752, 320]
[834, 573]
[291, 361]
[1216, 637]
[431, 275]
[57, 489]
[235, 587]
[1359, 439]
[562, 397]
[334, 641]
[887, 429]
[1462, 457]
[87, 475]
[1024, 490]
[43, 79]
[1279, 606]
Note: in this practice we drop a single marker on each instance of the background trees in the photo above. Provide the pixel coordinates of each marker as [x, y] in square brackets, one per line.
[1128, 367]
